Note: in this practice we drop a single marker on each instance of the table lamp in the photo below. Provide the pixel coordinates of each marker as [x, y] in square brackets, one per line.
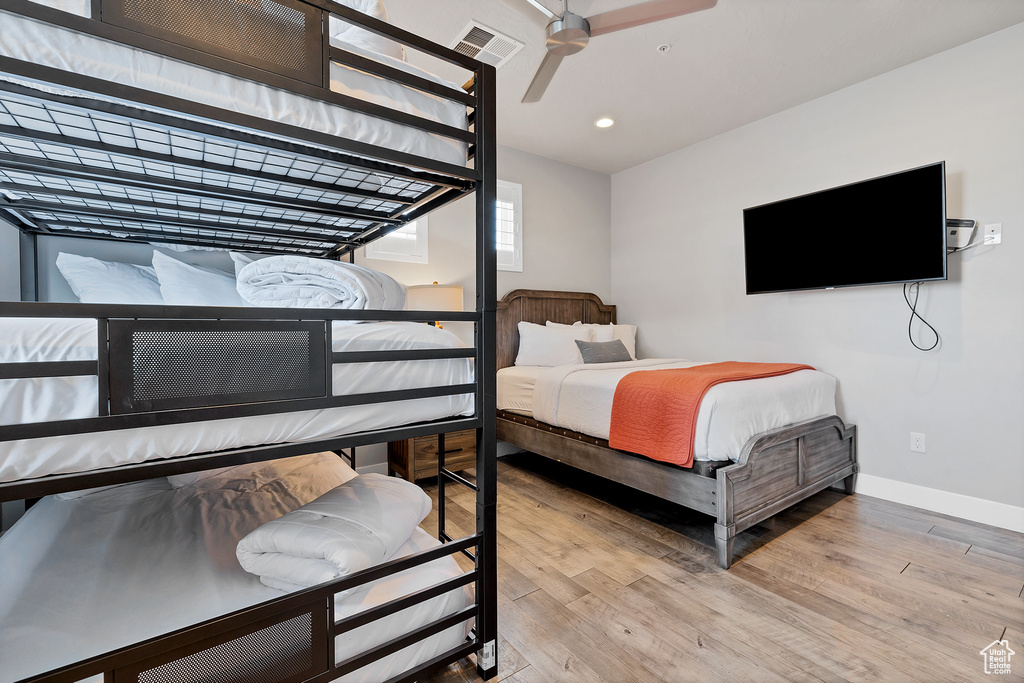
[434, 297]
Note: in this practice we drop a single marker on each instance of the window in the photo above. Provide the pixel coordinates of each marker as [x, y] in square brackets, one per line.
[510, 226]
[408, 243]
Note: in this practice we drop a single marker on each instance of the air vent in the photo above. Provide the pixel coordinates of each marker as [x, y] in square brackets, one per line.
[485, 44]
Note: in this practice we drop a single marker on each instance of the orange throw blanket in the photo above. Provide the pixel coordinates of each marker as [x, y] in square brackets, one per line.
[654, 411]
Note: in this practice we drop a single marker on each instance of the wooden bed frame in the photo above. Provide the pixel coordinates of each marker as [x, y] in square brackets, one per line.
[775, 470]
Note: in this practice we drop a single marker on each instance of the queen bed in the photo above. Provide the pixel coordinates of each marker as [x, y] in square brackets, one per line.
[281, 129]
[759, 445]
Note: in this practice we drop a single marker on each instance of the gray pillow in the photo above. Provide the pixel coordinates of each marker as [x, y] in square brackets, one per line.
[603, 352]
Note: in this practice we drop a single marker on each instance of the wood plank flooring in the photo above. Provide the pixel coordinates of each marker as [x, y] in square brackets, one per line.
[601, 583]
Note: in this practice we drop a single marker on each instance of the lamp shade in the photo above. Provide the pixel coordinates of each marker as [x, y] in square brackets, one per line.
[434, 297]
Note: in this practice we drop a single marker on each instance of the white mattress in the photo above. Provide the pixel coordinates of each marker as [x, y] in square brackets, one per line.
[37, 400]
[579, 397]
[49, 45]
[84, 576]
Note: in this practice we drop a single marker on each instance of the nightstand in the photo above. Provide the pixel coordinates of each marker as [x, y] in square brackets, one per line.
[414, 459]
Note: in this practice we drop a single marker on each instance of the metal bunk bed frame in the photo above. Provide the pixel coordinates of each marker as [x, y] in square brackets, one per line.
[68, 169]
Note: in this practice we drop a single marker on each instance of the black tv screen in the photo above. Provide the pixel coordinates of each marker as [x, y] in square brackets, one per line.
[885, 230]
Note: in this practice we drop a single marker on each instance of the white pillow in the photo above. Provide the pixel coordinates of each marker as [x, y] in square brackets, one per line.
[344, 32]
[182, 284]
[610, 332]
[178, 481]
[249, 476]
[627, 335]
[107, 282]
[599, 333]
[550, 346]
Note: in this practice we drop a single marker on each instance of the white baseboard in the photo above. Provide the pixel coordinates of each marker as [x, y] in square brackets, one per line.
[966, 507]
[373, 468]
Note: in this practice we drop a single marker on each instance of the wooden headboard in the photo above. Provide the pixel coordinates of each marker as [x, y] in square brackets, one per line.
[539, 306]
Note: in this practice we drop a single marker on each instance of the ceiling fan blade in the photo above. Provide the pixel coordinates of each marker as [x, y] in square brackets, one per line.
[541, 79]
[548, 13]
[644, 13]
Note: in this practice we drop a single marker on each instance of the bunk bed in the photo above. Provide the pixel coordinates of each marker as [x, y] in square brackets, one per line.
[765, 474]
[284, 130]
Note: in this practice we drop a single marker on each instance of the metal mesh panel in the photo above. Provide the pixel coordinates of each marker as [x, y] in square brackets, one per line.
[119, 228]
[108, 195]
[176, 364]
[270, 655]
[30, 115]
[263, 29]
[185, 185]
[270, 180]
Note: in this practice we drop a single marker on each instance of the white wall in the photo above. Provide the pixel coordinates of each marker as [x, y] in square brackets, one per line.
[677, 263]
[10, 263]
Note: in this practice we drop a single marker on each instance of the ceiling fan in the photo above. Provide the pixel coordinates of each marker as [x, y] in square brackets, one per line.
[569, 33]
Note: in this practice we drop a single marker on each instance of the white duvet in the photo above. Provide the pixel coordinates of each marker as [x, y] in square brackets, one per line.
[579, 397]
[53, 398]
[303, 282]
[84, 576]
[352, 527]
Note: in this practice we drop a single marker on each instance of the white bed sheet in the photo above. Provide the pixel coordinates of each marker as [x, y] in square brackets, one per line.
[53, 46]
[579, 397]
[84, 576]
[52, 398]
[515, 388]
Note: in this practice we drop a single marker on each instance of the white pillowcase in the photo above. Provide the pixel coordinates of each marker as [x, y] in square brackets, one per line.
[249, 476]
[344, 32]
[107, 282]
[182, 284]
[610, 332]
[550, 346]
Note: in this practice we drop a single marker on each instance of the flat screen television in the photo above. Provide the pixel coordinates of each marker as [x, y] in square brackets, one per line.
[885, 230]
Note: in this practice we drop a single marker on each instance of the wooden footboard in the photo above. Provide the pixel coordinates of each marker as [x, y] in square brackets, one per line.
[776, 470]
[779, 468]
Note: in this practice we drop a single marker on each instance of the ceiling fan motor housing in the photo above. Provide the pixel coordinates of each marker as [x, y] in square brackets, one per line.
[568, 34]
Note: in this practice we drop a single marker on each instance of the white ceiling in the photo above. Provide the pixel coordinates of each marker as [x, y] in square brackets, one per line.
[738, 62]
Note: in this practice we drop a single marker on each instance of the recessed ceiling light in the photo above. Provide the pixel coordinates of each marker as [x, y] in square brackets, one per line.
[605, 122]
[664, 47]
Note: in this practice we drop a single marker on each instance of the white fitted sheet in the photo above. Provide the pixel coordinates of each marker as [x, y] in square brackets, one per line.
[579, 397]
[515, 388]
[52, 398]
[84, 576]
[53, 46]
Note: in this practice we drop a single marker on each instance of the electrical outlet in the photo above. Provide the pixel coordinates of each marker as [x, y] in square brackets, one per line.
[994, 233]
[917, 442]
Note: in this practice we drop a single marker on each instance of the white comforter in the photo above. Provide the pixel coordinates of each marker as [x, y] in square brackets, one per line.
[579, 397]
[302, 282]
[352, 527]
